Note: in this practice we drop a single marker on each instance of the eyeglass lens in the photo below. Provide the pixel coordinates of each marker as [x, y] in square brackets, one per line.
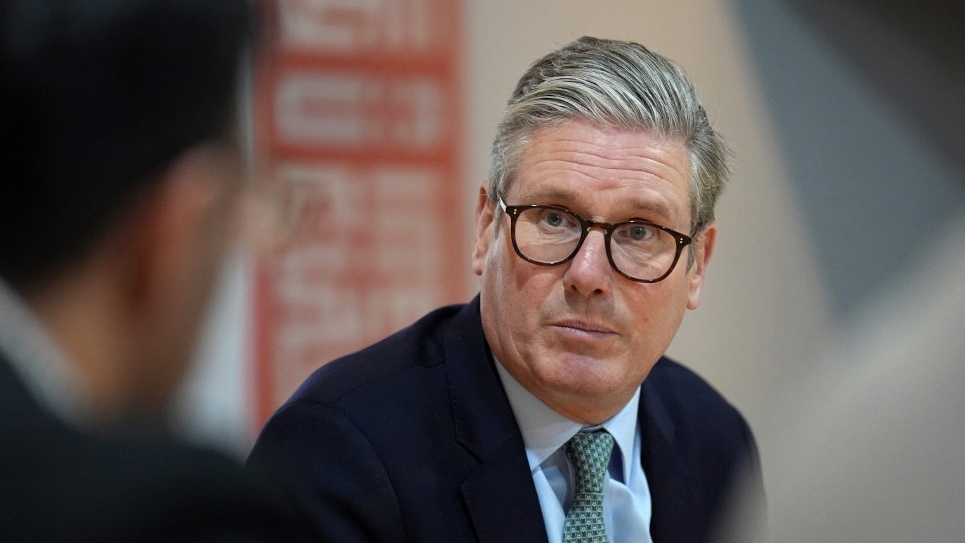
[550, 236]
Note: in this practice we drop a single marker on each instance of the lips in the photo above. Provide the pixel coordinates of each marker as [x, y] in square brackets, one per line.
[584, 327]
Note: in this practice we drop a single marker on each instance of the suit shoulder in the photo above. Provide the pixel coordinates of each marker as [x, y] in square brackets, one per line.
[692, 401]
[173, 474]
[140, 488]
[416, 347]
[711, 443]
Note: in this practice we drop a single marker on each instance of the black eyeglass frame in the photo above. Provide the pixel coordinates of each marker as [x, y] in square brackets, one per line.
[514, 212]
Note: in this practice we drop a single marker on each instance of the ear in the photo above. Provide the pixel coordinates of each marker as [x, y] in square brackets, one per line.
[484, 229]
[178, 234]
[705, 248]
[182, 220]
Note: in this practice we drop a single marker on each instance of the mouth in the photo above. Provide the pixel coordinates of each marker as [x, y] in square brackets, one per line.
[584, 329]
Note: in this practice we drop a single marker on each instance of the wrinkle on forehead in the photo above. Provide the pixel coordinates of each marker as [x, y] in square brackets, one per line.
[651, 171]
[604, 141]
[655, 205]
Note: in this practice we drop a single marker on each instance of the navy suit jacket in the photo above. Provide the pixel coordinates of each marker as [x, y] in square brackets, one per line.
[413, 439]
[62, 484]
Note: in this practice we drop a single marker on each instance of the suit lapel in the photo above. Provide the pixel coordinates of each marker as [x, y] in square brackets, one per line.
[502, 501]
[499, 495]
[671, 495]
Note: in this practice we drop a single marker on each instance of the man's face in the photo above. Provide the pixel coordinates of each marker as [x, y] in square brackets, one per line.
[578, 335]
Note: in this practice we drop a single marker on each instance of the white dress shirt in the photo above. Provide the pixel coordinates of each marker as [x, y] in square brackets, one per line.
[626, 496]
[37, 360]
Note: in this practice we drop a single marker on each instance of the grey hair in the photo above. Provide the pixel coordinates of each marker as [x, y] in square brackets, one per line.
[613, 84]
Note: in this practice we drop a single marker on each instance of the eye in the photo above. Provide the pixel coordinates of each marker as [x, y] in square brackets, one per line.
[637, 234]
[640, 232]
[553, 218]
[556, 219]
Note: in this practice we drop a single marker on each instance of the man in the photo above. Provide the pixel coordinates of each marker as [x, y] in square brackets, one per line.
[593, 236]
[119, 175]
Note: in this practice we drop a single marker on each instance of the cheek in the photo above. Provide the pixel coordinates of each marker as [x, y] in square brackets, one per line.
[516, 292]
[503, 282]
[657, 315]
[501, 270]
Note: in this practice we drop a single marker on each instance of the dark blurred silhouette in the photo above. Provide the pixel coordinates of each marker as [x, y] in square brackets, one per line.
[119, 176]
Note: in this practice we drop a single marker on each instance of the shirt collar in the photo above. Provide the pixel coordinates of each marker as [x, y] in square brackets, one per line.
[37, 360]
[545, 431]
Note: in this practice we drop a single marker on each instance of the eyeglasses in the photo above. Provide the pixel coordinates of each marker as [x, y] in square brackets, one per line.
[637, 249]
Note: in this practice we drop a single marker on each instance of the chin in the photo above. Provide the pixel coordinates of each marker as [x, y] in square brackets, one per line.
[587, 376]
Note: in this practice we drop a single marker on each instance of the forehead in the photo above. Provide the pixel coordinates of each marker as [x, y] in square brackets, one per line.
[605, 170]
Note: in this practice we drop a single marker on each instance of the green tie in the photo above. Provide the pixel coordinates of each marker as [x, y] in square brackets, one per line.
[590, 454]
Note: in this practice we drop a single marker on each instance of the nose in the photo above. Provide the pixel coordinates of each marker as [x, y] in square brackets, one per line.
[589, 272]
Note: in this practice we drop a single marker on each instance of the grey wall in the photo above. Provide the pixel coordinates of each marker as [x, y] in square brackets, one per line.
[872, 186]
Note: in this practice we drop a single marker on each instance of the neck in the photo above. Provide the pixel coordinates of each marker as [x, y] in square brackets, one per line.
[585, 413]
[81, 318]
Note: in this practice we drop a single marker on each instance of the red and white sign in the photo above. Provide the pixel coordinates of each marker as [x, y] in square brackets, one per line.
[357, 120]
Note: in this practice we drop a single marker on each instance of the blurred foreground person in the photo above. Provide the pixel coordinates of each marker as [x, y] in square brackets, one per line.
[544, 409]
[118, 177]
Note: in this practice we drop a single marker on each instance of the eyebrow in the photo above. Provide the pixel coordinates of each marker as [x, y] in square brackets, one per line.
[563, 195]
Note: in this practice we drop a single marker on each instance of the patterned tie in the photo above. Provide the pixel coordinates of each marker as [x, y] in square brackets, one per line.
[590, 453]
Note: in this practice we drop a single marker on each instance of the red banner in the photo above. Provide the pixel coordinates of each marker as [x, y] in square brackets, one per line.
[357, 124]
